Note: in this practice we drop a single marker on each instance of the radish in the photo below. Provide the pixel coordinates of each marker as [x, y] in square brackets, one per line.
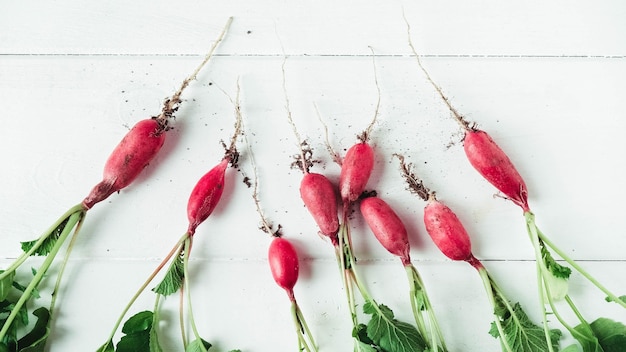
[316, 191]
[129, 158]
[392, 234]
[511, 325]
[284, 266]
[203, 199]
[318, 195]
[496, 167]
[205, 195]
[356, 169]
[136, 150]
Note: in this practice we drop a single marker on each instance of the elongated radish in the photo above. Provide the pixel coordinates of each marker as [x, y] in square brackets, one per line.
[136, 150]
[356, 169]
[319, 197]
[205, 195]
[495, 166]
[387, 227]
[392, 234]
[284, 264]
[317, 192]
[511, 324]
[446, 231]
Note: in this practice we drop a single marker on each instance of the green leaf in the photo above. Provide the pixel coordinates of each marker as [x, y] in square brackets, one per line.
[174, 277]
[35, 340]
[6, 284]
[48, 243]
[555, 268]
[521, 334]
[139, 330]
[196, 346]
[606, 335]
[139, 322]
[390, 334]
[360, 333]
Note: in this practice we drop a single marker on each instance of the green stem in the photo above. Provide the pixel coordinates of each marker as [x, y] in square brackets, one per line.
[345, 275]
[167, 258]
[181, 315]
[305, 338]
[57, 285]
[22, 258]
[188, 243]
[489, 287]
[72, 221]
[531, 221]
[543, 286]
[416, 285]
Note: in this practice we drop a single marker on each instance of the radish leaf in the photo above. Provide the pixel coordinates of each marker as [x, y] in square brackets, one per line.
[35, 340]
[390, 334]
[603, 335]
[140, 335]
[364, 343]
[5, 285]
[558, 270]
[520, 332]
[174, 277]
[47, 245]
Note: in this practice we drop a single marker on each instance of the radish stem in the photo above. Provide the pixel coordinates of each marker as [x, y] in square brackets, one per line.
[71, 222]
[531, 225]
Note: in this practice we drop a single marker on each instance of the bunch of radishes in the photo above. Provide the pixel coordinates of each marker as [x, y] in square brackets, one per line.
[135, 151]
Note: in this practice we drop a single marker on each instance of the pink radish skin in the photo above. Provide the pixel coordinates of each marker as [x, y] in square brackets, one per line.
[387, 227]
[134, 152]
[356, 169]
[447, 231]
[319, 197]
[493, 164]
[205, 195]
[284, 264]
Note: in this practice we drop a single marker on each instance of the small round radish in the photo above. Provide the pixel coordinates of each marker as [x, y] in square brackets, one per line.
[319, 197]
[493, 164]
[128, 159]
[284, 264]
[387, 227]
[356, 168]
[447, 231]
[205, 195]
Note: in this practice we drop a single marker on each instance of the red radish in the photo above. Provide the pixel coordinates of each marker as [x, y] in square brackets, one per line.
[447, 231]
[128, 159]
[391, 233]
[284, 264]
[319, 197]
[205, 195]
[356, 169]
[495, 166]
[450, 236]
[387, 227]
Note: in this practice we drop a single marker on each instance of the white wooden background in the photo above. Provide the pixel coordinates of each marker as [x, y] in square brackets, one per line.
[546, 79]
